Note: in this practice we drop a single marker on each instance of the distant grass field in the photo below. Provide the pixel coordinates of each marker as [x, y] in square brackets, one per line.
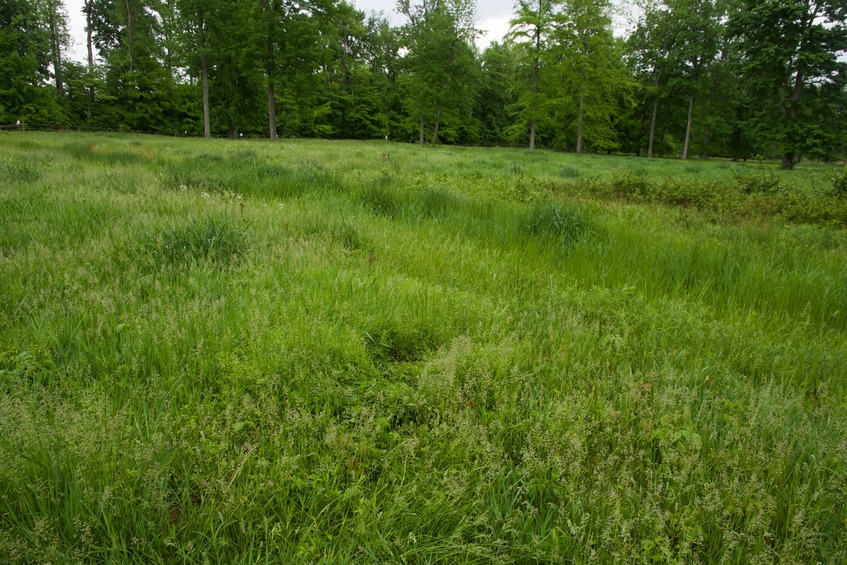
[315, 351]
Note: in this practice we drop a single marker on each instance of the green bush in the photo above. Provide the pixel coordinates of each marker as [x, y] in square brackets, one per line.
[767, 182]
[839, 185]
[634, 185]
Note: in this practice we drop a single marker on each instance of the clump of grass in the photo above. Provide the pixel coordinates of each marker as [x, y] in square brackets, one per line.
[380, 198]
[315, 177]
[561, 224]
[16, 170]
[437, 202]
[338, 231]
[568, 172]
[190, 176]
[393, 342]
[211, 239]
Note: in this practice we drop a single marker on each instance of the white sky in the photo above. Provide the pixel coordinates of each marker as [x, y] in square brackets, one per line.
[492, 17]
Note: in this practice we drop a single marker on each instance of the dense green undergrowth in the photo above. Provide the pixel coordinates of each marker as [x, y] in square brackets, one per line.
[367, 352]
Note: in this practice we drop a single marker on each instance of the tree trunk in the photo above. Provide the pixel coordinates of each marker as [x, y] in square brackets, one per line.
[653, 126]
[788, 158]
[437, 121]
[688, 127]
[233, 130]
[423, 139]
[271, 110]
[129, 32]
[56, 44]
[581, 114]
[655, 116]
[532, 128]
[89, 8]
[535, 80]
[207, 121]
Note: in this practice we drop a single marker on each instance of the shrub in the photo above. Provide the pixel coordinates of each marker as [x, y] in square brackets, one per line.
[687, 192]
[839, 184]
[633, 185]
[765, 183]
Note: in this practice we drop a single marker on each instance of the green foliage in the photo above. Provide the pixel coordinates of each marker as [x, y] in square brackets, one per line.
[839, 185]
[766, 182]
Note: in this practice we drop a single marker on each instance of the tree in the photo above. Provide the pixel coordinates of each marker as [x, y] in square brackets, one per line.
[441, 62]
[590, 68]
[694, 24]
[650, 46]
[127, 34]
[55, 18]
[530, 30]
[790, 48]
[26, 58]
[194, 21]
[497, 93]
[354, 81]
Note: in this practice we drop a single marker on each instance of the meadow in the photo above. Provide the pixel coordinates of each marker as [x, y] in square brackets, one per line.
[222, 351]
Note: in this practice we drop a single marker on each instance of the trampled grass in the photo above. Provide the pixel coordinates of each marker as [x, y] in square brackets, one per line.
[309, 351]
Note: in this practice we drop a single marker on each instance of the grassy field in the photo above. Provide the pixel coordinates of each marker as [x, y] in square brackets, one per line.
[315, 351]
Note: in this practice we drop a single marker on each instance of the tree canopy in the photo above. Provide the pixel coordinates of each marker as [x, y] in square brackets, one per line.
[732, 78]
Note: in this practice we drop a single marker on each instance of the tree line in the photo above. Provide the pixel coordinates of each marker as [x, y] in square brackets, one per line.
[729, 78]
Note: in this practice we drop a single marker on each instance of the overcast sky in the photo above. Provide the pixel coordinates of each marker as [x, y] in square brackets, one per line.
[492, 17]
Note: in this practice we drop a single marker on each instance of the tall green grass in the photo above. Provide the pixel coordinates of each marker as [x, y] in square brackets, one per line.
[306, 351]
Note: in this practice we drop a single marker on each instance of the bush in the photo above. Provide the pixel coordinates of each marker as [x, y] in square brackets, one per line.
[765, 183]
[839, 185]
[632, 185]
[692, 192]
